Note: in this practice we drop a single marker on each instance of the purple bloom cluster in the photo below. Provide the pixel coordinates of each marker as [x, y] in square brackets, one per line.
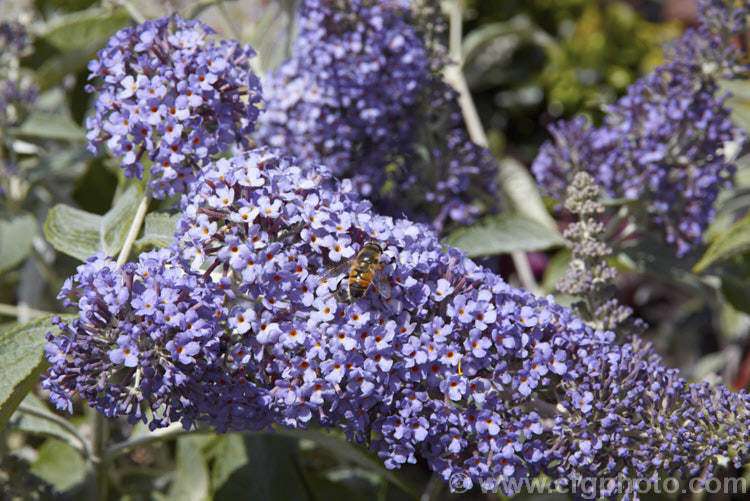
[240, 325]
[172, 99]
[662, 143]
[629, 415]
[143, 334]
[361, 93]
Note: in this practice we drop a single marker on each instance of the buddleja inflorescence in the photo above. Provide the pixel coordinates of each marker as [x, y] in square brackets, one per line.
[237, 325]
[665, 143]
[172, 98]
[364, 94]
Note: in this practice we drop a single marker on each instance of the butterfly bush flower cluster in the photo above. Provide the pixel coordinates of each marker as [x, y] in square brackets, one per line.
[170, 100]
[665, 141]
[363, 94]
[626, 414]
[143, 334]
[239, 325]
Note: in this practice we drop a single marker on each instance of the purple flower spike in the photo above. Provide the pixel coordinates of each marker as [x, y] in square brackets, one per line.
[172, 99]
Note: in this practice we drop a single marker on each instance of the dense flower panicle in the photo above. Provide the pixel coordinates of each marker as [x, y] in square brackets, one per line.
[142, 335]
[362, 90]
[454, 365]
[664, 143]
[440, 368]
[629, 415]
[719, 23]
[172, 99]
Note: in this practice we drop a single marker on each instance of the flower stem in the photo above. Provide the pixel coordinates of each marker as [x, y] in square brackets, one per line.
[454, 75]
[172, 431]
[16, 311]
[62, 423]
[135, 227]
[97, 485]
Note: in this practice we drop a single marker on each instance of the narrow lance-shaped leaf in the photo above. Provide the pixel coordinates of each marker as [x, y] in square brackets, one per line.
[72, 231]
[520, 189]
[116, 222]
[48, 126]
[263, 464]
[351, 452]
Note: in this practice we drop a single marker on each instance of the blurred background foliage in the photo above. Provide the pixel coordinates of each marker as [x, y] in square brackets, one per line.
[528, 63]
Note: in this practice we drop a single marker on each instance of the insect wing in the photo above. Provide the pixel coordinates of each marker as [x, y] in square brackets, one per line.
[337, 270]
[381, 282]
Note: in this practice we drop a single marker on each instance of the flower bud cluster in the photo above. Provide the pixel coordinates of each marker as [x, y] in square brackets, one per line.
[589, 276]
[363, 94]
[171, 99]
[245, 322]
[664, 143]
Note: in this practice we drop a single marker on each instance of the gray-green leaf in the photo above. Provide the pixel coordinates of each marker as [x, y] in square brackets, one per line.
[348, 451]
[520, 189]
[503, 234]
[48, 126]
[261, 464]
[21, 363]
[191, 478]
[16, 236]
[158, 231]
[739, 101]
[81, 234]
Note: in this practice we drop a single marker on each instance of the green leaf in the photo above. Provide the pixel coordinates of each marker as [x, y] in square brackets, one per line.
[81, 234]
[323, 488]
[37, 425]
[73, 231]
[734, 288]
[60, 465]
[116, 222]
[67, 43]
[555, 270]
[49, 126]
[158, 232]
[16, 236]
[651, 254]
[21, 363]
[191, 478]
[503, 234]
[520, 189]
[733, 241]
[268, 35]
[78, 29]
[261, 464]
[739, 102]
[344, 450]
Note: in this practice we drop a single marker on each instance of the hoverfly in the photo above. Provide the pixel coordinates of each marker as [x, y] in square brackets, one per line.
[364, 268]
